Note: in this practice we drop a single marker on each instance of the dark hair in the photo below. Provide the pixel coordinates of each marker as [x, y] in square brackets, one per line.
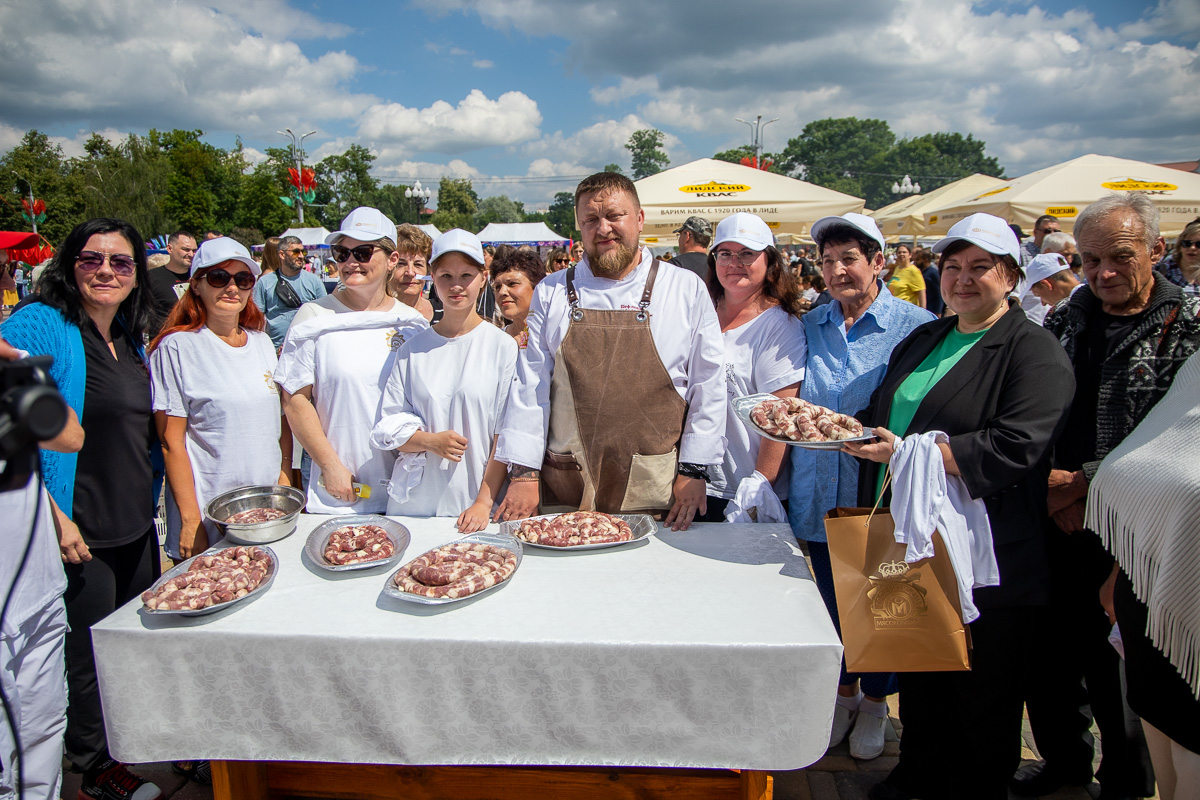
[1043, 219]
[605, 182]
[817, 283]
[1012, 270]
[844, 233]
[59, 289]
[779, 283]
[174, 237]
[524, 261]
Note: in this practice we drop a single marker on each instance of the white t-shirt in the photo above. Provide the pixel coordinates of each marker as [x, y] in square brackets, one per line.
[346, 358]
[43, 580]
[763, 355]
[229, 398]
[458, 384]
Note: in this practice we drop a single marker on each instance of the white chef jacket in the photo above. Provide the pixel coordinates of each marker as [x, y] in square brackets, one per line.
[683, 324]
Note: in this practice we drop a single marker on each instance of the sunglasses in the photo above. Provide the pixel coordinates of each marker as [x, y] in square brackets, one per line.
[562, 261]
[746, 257]
[90, 261]
[1186, 243]
[219, 279]
[362, 253]
[299, 251]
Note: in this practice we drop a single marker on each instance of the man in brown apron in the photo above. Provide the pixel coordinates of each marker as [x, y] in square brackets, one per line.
[619, 401]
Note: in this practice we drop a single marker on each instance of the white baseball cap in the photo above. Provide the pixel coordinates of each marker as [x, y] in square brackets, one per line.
[860, 221]
[1043, 266]
[218, 251]
[986, 231]
[365, 224]
[747, 230]
[458, 241]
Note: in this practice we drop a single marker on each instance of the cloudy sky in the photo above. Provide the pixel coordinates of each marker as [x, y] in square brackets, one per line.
[526, 96]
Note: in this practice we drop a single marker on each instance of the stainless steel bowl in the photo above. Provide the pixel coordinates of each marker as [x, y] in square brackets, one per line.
[284, 498]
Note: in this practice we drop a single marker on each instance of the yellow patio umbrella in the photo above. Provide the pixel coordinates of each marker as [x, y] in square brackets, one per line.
[906, 218]
[715, 189]
[1066, 189]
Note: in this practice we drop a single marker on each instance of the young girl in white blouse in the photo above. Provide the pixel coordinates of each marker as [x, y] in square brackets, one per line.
[444, 402]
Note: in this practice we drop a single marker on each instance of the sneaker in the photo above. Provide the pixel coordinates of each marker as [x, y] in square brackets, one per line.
[199, 771]
[112, 781]
[866, 740]
[843, 721]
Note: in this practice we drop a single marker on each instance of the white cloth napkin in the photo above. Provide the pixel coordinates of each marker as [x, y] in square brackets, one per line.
[754, 493]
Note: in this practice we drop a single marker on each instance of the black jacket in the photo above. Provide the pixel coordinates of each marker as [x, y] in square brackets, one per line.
[1003, 406]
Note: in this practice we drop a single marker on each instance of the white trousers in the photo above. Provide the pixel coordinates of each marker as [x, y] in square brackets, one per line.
[33, 675]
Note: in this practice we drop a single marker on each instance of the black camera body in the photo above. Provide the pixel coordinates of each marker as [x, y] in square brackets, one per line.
[31, 410]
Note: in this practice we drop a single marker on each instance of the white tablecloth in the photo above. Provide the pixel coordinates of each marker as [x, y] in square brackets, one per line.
[706, 648]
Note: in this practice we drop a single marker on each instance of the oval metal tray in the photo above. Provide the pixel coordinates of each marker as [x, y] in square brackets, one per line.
[507, 541]
[742, 406]
[642, 526]
[319, 539]
[181, 568]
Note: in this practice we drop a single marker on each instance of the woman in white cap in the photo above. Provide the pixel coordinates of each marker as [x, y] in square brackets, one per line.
[335, 361]
[999, 387]
[213, 396]
[758, 304]
[445, 398]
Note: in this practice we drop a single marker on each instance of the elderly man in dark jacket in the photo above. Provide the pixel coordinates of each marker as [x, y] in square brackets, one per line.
[1127, 333]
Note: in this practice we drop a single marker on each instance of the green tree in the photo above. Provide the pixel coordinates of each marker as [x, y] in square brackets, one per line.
[500, 208]
[127, 181]
[38, 163]
[836, 153]
[932, 160]
[205, 181]
[736, 155]
[613, 168]
[560, 217]
[456, 204]
[344, 182]
[259, 206]
[389, 198]
[648, 156]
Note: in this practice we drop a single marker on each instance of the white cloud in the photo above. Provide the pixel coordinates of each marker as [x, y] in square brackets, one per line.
[475, 122]
[277, 19]
[483, 63]
[597, 145]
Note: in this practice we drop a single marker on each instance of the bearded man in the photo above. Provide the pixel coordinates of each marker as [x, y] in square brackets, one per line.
[619, 399]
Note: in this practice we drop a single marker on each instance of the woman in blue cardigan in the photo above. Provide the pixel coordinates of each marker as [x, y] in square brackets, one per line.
[92, 315]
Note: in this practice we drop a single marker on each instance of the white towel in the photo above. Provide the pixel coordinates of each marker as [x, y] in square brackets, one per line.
[388, 434]
[925, 499]
[754, 494]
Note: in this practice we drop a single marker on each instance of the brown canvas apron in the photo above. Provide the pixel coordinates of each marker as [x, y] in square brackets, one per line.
[616, 418]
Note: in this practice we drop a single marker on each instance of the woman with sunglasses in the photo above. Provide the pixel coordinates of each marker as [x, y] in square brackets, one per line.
[445, 398]
[91, 315]
[758, 303]
[1182, 265]
[335, 361]
[210, 373]
[556, 260]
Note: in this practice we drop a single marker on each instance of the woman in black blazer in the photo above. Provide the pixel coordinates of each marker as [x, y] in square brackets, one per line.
[999, 386]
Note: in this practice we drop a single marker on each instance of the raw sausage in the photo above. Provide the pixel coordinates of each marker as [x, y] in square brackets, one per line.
[355, 544]
[575, 528]
[456, 570]
[802, 421]
[211, 579]
[253, 515]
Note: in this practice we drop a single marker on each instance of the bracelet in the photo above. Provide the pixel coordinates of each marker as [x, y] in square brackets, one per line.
[697, 471]
[525, 479]
[519, 471]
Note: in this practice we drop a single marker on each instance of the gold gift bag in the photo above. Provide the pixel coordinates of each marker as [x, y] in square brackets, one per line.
[895, 617]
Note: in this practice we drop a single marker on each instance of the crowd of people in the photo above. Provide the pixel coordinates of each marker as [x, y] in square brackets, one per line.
[445, 379]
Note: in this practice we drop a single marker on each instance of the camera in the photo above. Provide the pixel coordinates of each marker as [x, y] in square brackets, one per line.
[31, 411]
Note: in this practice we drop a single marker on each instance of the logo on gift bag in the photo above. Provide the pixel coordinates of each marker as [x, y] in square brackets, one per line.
[897, 597]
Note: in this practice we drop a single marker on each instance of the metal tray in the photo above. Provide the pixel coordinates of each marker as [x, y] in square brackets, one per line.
[742, 406]
[642, 525]
[319, 538]
[285, 498]
[199, 612]
[507, 541]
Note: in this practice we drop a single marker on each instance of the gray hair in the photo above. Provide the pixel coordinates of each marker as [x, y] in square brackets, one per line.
[1137, 203]
[1057, 242]
[289, 240]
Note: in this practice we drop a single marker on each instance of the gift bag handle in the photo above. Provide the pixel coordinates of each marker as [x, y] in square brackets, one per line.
[887, 480]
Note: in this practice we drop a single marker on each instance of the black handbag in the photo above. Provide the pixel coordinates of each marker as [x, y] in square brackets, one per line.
[286, 294]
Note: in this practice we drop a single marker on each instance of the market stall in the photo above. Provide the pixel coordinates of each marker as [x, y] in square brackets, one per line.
[691, 653]
[1065, 189]
[535, 234]
[715, 189]
[906, 218]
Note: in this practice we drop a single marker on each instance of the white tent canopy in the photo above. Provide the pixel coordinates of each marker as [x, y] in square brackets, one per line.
[715, 189]
[907, 217]
[1066, 189]
[311, 237]
[519, 233]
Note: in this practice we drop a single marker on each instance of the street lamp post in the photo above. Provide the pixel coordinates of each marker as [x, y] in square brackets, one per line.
[756, 136]
[298, 157]
[906, 186]
[421, 195]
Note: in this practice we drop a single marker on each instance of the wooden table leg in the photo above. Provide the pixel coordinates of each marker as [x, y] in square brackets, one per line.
[757, 785]
[240, 780]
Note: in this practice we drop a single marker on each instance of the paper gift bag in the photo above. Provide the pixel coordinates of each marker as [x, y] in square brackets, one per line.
[895, 617]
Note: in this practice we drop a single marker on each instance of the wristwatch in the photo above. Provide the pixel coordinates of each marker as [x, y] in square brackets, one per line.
[698, 471]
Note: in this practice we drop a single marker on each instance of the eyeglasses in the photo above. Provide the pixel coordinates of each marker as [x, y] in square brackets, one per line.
[90, 261]
[1186, 243]
[362, 253]
[746, 257]
[299, 251]
[219, 279]
[562, 261]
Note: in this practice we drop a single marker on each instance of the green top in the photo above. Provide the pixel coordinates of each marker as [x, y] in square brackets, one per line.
[948, 352]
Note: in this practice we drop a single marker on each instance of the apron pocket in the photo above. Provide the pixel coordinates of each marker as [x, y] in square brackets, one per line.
[562, 480]
[651, 482]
